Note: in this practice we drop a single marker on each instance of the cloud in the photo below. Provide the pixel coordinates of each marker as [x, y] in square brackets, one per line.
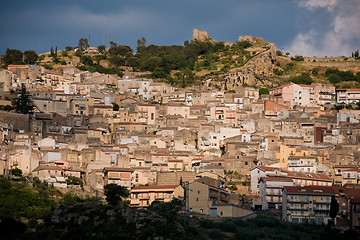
[339, 37]
[311, 4]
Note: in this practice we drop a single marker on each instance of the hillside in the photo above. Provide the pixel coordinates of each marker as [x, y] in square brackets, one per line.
[249, 61]
[42, 212]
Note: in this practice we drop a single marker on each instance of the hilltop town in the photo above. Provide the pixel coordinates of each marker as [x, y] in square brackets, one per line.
[245, 133]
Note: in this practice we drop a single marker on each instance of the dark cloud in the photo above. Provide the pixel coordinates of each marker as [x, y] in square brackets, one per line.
[39, 25]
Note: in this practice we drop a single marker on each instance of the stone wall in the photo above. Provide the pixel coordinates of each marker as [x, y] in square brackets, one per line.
[18, 121]
[249, 38]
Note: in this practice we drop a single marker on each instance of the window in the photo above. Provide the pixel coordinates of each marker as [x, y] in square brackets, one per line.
[201, 210]
[197, 199]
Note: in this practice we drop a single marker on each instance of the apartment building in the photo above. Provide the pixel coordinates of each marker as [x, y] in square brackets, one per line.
[307, 204]
[144, 196]
[348, 96]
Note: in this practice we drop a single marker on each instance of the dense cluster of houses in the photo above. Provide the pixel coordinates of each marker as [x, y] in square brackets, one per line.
[285, 149]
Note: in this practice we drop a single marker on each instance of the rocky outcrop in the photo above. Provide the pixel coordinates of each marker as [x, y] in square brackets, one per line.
[261, 64]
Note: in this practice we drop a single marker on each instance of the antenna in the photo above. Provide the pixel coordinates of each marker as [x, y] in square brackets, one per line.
[89, 38]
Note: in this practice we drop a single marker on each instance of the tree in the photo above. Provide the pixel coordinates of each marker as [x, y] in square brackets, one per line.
[116, 107]
[263, 91]
[83, 44]
[117, 61]
[13, 56]
[120, 50]
[16, 172]
[101, 49]
[30, 57]
[304, 78]
[298, 58]
[133, 62]
[141, 44]
[23, 103]
[334, 207]
[114, 193]
[86, 60]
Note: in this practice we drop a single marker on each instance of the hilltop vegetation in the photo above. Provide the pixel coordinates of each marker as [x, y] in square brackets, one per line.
[193, 62]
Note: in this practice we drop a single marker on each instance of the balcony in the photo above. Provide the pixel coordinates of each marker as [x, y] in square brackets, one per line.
[298, 201]
[321, 209]
[298, 208]
[321, 201]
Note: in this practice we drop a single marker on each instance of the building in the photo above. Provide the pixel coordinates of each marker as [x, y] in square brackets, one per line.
[307, 204]
[271, 191]
[143, 196]
[119, 176]
[348, 96]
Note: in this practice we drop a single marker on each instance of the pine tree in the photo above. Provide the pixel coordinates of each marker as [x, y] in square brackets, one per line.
[56, 52]
[23, 103]
[52, 52]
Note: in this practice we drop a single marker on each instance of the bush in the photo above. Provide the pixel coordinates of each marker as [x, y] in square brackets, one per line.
[304, 78]
[298, 58]
[278, 72]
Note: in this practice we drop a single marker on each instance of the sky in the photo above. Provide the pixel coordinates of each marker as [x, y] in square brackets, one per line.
[302, 27]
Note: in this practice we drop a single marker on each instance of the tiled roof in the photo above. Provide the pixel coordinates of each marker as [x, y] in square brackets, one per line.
[316, 190]
[155, 187]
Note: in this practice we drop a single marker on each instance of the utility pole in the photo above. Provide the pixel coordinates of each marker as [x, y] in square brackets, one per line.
[186, 204]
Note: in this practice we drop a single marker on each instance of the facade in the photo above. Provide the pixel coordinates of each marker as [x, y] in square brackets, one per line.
[307, 204]
[271, 191]
[143, 196]
[348, 96]
[119, 176]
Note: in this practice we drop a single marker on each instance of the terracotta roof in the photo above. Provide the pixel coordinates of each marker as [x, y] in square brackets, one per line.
[265, 168]
[282, 179]
[40, 168]
[163, 187]
[309, 176]
[114, 169]
[313, 190]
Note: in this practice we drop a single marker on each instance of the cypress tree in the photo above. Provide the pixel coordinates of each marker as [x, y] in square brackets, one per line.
[334, 207]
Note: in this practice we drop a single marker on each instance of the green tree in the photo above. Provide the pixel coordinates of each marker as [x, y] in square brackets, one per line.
[334, 207]
[114, 193]
[30, 57]
[83, 44]
[120, 50]
[304, 78]
[116, 107]
[298, 58]
[263, 91]
[16, 172]
[23, 103]
[159, 73]
[101, 49]
[13, 56]
[141, 44]
[86, 60]
[117, 61]
[133, 62]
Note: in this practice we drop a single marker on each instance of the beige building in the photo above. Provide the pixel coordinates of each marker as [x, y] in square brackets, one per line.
[143, 196]
[79, 106]
[5, 80]
[119, 176]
